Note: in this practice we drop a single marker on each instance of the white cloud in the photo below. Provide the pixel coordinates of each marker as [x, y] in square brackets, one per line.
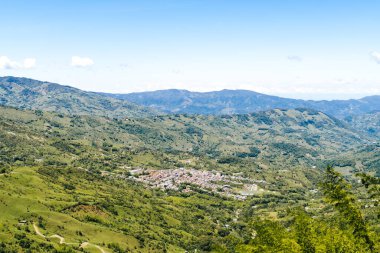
[77, 61]
[6, 63]
[375, 56]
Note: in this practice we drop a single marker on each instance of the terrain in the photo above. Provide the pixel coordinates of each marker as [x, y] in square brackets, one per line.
[76, 176]
[272, 139]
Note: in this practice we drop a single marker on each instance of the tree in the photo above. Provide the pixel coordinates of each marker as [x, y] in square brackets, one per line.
[337, 192]
[304, 230]
[372, 184]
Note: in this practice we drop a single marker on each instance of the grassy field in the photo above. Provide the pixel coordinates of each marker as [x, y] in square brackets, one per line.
[102, 213]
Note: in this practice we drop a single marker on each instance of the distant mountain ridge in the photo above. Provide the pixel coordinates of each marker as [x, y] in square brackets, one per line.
[242, 101]
[27, 93]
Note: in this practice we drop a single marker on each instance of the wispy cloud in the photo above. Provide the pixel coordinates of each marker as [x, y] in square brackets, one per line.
[83, 62]
[176, 71]
[295, 58]
[27, 63]
[375, 56]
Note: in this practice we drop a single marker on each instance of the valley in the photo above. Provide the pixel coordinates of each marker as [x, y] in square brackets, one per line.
[188, 180]
[74, 181]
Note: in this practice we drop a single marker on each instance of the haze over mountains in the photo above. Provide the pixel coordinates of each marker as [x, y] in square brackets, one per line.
[242, 101]
[33, 94]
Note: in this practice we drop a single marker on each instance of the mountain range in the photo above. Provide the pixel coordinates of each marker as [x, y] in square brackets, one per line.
[32, 94]
[242, 101]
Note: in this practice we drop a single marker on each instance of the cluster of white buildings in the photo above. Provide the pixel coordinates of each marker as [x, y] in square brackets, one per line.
[182, 179]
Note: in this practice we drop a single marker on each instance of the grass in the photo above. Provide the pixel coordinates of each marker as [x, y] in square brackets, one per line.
[139, 220]
[25, 195]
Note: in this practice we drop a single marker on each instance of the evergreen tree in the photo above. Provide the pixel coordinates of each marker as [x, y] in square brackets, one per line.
[337, 192]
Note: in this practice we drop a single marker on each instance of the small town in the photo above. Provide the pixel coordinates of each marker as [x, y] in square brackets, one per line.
[185, 180]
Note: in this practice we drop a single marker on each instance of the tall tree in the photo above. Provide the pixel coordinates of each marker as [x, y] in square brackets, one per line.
[372, 184]
[337, 192]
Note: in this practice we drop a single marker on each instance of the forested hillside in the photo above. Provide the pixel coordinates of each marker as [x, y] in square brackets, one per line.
[273, 138]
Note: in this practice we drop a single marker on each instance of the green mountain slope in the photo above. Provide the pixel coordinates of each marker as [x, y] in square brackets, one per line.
[41, 205]
[275, 139]
[33, 94]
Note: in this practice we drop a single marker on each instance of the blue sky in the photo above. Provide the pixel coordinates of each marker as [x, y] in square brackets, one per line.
[295, 48]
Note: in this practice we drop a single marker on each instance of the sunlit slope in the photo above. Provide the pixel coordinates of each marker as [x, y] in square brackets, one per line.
[277, 137]
[292, 145]
[61, 208]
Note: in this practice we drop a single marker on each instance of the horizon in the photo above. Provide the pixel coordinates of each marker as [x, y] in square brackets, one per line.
[192, 91]
[305, 50]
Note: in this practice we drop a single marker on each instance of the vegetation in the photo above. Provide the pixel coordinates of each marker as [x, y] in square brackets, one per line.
[67, 179]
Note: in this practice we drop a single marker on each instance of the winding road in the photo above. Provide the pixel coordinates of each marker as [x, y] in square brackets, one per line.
[62, 240]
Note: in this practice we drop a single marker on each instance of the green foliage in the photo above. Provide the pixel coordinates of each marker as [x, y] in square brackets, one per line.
[337, 192]
[372, 184]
